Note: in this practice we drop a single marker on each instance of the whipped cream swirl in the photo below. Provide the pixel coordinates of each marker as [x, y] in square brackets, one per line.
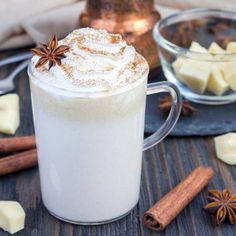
[96, 61]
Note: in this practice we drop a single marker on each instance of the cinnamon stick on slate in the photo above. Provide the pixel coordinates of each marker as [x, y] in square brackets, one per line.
[16, 144]
[18, 162]
[165, 210]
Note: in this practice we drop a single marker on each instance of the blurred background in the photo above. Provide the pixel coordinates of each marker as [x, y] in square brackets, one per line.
[25, 22]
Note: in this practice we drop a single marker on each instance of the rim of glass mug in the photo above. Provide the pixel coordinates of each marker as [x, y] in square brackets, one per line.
[88, 94]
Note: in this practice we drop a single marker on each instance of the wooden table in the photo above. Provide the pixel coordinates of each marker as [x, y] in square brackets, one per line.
[163, 167]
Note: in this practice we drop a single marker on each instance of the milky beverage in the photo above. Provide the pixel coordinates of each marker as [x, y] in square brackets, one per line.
[89, 122]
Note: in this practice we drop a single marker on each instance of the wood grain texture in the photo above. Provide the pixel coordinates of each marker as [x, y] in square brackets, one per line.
[163, 167]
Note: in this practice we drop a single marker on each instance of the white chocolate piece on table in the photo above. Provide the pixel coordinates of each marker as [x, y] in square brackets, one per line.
[12, 216]
[231, 47]
[195, 74]
[216, 83]
[226, 148]
[229, 72]
[9, 113]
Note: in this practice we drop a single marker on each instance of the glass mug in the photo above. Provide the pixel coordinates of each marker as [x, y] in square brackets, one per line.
[90, 147]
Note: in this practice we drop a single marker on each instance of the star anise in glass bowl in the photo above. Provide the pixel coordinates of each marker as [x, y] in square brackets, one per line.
[222, 205]
[51, 53]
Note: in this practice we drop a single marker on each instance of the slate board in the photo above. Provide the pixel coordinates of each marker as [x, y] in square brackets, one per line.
[208, 120]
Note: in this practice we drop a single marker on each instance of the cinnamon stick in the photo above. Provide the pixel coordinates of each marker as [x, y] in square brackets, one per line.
[16, 144]
[165, 210]
[18, 162]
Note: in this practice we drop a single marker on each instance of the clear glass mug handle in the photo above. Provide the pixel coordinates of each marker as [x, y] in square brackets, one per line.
[173, 116]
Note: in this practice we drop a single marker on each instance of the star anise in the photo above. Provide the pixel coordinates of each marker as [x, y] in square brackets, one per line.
[222, 204]
[187, 108]
[51, 53]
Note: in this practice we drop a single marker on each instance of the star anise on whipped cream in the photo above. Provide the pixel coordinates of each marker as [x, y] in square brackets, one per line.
[51, 53]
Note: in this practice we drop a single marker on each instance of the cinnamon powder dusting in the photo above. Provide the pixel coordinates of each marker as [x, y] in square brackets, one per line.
[115, 39]
[96, 58]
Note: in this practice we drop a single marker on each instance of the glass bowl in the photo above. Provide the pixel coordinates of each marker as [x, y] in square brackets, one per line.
[174, 35]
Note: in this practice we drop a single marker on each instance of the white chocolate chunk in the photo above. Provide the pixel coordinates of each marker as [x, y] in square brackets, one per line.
[215, 48]
[177, 64]
[216, 83]
[12, 216]
[203, 52]
[200, 72]
[195, 74]
[226, 148]
[229, 72]
[9, 113]
[196, 47]
[231, 47]
[217, 51]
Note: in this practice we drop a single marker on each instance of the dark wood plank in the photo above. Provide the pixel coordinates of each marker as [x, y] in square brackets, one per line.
[163, 167]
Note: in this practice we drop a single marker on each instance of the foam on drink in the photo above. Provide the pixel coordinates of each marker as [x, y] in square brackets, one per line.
[96, 61]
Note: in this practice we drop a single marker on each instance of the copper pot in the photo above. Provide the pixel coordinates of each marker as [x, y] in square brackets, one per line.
[134, 19]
